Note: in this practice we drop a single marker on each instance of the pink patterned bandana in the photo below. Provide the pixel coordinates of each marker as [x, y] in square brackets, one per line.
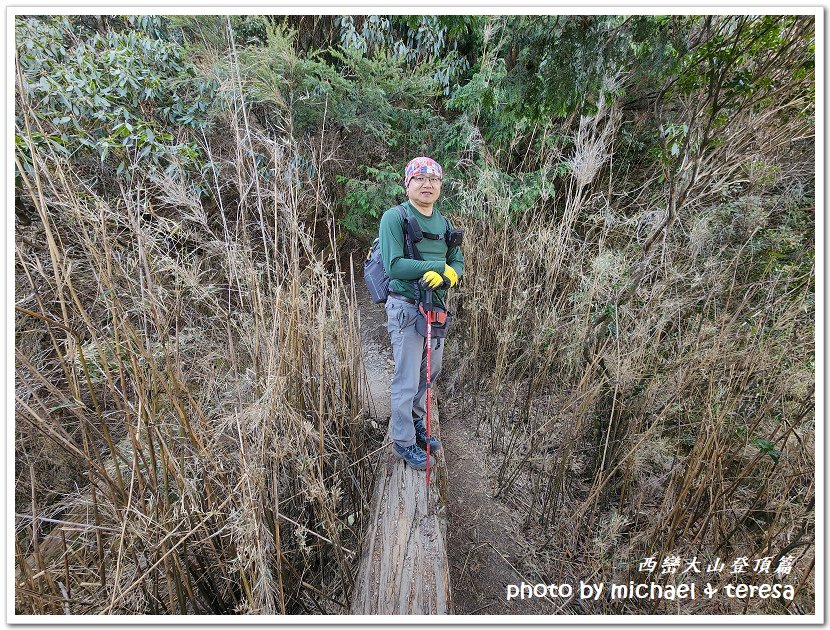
[422, 166]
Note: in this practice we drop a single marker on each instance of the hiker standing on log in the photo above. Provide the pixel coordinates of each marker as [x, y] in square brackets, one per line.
[432, 257]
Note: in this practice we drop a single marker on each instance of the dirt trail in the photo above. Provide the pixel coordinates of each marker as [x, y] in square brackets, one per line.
[377, 357]
[485, 541]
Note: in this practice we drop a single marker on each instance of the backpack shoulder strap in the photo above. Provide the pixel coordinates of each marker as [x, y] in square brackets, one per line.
[402, 211]
[410, 246]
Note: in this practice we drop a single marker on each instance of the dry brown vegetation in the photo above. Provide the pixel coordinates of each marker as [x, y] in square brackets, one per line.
[636, 348]
[190, 431]
[644, 364]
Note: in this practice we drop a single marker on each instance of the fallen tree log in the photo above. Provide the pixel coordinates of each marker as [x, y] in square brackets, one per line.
[403, 568]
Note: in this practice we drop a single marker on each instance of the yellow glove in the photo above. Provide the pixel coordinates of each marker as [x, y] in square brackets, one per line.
[450, 276]
[433, 279]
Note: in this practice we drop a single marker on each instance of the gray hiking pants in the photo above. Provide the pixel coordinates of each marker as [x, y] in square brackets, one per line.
[409, 381]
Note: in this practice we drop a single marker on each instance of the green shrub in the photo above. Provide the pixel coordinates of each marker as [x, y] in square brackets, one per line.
[366, 199]
[123, 96]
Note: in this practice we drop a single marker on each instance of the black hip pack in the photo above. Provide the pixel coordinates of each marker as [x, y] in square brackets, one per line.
[441, 320]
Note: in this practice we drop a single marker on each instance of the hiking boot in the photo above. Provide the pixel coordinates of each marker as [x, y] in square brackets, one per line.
[413, 455]
[421, 437]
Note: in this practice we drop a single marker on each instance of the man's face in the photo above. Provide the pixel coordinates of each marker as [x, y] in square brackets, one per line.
[424, 189]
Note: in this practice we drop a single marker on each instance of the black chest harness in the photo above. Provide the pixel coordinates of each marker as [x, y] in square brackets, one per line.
[414, 234]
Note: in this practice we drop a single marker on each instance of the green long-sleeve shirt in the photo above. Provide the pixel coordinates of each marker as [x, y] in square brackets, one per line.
[401, 269]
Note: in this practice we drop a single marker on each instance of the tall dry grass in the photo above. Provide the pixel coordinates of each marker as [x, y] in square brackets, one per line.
[642, 367]
[188, 394]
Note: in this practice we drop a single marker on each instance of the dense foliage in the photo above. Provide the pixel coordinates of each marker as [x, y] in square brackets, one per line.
[637, 319]
[125, 95]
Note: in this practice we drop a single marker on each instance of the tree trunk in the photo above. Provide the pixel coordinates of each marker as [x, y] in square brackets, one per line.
[404, 568]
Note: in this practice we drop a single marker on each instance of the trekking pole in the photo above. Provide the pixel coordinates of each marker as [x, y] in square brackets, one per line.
[429, 315]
